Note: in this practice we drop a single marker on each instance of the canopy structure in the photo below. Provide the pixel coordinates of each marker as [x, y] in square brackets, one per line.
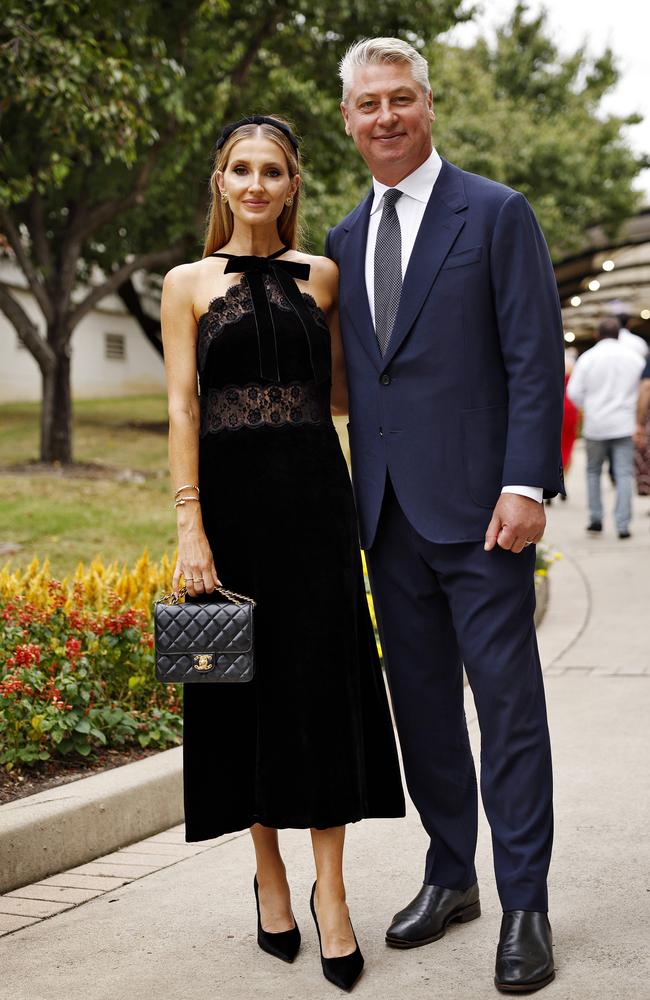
[608, 277]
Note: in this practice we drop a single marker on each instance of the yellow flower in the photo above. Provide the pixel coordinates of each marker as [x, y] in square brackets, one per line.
[98, 583]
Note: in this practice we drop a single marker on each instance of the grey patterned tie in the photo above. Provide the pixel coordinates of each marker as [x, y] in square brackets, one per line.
[388, 269]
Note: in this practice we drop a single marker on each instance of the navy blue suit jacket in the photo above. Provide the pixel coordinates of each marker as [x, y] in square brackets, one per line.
[469, 395]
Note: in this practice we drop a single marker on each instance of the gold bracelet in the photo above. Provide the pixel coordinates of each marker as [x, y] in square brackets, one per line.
[188, 486]
[183, 500]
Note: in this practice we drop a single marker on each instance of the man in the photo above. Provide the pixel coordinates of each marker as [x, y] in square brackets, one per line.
[630, 339]
[605, 385]
[454, 353]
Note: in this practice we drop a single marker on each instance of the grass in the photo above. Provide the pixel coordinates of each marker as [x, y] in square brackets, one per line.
[71, 519]
[129, 432]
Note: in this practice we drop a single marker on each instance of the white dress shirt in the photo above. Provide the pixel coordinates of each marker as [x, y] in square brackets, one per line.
[416, 190]
[604, 383]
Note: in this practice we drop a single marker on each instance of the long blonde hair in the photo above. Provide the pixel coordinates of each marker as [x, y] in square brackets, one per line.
[219, 227]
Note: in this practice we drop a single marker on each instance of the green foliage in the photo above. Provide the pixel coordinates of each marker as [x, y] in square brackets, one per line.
[95, 97]
[98, 94]
[73, 681]
[81, 88]
[522, 113]
[109, 115]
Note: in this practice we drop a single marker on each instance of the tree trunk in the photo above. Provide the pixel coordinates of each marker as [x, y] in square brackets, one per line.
[56, 412]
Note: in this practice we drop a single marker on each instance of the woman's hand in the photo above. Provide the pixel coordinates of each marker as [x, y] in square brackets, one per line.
[195, 562]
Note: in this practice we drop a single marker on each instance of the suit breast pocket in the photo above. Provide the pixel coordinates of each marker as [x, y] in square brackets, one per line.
[463, 257]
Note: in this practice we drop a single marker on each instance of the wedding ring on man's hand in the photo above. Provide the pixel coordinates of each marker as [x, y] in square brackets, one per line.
[528, 543]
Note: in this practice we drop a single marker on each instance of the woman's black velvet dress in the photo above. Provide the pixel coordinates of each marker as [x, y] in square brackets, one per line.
[309, 741]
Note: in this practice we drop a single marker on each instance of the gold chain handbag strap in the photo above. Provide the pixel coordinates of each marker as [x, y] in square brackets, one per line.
[240, 599]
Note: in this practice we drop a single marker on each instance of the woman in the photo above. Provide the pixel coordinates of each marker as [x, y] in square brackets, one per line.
[309, 742]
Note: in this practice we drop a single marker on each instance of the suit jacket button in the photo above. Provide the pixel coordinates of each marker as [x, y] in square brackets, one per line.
[385, 380]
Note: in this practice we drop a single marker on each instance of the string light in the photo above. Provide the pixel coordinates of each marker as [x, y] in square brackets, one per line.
[608, 265]
[576, 300]
[569, 336]
[594, 285]
[645, 314]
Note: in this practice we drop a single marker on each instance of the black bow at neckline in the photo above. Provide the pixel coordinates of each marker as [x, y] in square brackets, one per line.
[285, 272]
[267, 265]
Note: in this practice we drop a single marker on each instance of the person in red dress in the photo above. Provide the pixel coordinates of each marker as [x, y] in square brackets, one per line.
[571, 416]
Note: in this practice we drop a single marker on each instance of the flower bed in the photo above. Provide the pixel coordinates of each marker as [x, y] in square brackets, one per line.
[544, 558]
[76, 664]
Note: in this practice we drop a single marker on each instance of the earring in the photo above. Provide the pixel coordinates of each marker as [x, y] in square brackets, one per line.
[224, 196]
[289, 202]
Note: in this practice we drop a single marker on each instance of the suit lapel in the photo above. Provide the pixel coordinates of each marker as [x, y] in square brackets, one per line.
[437, 234]
[354, 294]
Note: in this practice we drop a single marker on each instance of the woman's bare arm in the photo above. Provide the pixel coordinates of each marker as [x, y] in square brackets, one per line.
[195, 561]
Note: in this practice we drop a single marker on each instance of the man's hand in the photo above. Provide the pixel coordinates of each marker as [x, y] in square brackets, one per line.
[515, 521]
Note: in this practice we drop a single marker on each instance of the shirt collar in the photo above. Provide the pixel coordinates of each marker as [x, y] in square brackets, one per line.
[417, 185]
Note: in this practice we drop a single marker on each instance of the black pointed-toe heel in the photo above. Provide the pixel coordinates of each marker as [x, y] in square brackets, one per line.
[284, 944]
[343, 971]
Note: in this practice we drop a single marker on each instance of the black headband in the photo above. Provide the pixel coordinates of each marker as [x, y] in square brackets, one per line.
[227, 130]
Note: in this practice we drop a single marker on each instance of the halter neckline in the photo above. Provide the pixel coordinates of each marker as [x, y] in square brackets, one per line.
[285, 272]
[235, 256]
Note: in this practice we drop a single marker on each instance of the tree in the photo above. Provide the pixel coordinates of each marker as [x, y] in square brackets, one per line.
[108, 117]
[515, 110]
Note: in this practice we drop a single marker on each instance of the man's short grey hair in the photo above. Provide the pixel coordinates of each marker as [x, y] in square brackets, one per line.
[373, 51]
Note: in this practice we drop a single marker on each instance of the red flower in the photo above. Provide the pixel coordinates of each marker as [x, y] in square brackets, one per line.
[72, 650]
[27, 654]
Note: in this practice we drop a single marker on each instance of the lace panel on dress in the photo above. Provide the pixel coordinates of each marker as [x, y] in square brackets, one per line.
[237, 302]
[254, 405]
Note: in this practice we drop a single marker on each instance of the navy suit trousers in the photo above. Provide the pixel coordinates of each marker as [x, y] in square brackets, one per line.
[439, 607]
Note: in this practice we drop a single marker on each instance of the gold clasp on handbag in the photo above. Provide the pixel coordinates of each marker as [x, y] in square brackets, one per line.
[203, 661]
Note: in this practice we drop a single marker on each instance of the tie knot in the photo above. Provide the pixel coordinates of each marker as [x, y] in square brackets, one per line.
[391, 197]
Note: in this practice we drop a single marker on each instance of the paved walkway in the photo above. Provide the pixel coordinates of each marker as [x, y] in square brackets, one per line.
[188, 930]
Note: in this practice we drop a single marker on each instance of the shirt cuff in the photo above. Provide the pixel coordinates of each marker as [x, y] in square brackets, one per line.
[532, 492]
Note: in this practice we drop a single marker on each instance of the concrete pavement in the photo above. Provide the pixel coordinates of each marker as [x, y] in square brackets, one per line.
[79, 821]
[188, 931]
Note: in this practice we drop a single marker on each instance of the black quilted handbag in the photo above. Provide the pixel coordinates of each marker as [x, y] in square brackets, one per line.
[211, 643]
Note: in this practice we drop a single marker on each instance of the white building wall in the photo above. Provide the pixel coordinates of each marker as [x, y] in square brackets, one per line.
[140, 371]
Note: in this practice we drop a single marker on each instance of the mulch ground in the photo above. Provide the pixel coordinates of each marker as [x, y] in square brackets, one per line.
[59, 771]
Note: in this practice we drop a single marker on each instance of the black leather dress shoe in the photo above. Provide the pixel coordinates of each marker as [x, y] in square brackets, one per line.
[427, 917]
[525, 952]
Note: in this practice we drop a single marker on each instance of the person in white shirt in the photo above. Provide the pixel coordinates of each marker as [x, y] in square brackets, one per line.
[605, 385]
[630, 339]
